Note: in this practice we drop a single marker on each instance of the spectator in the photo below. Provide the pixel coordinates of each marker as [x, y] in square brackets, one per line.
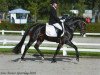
[88, 20]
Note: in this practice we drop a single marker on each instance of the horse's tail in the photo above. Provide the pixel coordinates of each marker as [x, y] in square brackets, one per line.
[17, 48]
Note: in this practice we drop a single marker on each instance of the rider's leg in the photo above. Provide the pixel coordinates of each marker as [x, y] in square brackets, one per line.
[59, 32]
[59, 29]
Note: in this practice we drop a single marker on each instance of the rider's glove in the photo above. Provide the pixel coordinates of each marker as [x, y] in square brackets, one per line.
[63, 20]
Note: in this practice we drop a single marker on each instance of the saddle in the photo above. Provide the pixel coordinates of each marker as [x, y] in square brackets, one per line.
[51, 31]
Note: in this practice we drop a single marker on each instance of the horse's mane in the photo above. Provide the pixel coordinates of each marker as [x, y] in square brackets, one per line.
[74, 18]
[71, 21]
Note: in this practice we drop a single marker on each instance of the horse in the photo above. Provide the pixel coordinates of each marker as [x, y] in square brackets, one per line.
[38, 34]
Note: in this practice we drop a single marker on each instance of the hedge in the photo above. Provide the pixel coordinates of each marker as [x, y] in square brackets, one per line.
[10, 26]
[92, 27]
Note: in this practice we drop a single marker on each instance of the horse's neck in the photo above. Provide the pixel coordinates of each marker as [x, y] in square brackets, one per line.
[71, 28]
[73, 25]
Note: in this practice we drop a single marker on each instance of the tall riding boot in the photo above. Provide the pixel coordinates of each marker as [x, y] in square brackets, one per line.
[59, 32]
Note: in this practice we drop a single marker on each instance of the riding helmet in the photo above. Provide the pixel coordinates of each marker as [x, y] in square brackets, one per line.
[53, 1]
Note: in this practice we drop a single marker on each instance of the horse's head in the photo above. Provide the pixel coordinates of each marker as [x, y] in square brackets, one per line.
[82, 27]
[76, 22]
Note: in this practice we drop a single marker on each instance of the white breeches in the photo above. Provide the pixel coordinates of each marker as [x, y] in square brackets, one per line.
[58, 26]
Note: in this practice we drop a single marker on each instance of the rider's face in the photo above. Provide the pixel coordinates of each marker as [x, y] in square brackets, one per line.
[55, 5]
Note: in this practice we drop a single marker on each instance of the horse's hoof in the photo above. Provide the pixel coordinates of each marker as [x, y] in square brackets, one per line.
[42, 58]
[77, 59]
[74, 61]
[20, 60]
[53, 61]
[41, 61]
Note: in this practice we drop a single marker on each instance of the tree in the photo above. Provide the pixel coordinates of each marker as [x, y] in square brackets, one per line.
[96, 4]
[43, 9]
[80, 6]
[3, 5]
[40, 8]
[64, 6]
[33, 9]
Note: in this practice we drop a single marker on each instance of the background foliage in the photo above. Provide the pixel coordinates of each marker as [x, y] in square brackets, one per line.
[40, 10]
[39, 7]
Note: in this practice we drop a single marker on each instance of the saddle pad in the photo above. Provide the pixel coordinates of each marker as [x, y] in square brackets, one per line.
[50, 31]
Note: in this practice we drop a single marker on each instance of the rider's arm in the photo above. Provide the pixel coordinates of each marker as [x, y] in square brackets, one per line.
[54, 14]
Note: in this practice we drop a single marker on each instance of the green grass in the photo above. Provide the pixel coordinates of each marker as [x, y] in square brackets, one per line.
[50, 52]
[5, 50]
[93, 54]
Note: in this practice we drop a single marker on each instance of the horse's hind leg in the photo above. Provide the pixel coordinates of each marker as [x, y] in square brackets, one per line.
[72, 45]
[27, 47]
[38, 43]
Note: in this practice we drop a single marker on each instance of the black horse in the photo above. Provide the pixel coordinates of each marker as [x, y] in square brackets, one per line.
[37, 33]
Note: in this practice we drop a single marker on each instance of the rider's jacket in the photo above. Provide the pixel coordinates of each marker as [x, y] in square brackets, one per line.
[53, 16]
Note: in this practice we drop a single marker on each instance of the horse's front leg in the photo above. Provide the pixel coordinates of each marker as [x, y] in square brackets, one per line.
[77, 53]
[56, 52]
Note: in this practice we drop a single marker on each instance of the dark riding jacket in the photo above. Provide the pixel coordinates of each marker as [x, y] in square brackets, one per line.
[53, 16]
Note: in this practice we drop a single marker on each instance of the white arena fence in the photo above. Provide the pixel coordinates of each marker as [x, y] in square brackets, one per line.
[3, 32]
[64, 48]
[8, 31]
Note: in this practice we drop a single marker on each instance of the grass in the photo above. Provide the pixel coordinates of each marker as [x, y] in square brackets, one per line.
[50, 52]
[5, 50]
[93, 54]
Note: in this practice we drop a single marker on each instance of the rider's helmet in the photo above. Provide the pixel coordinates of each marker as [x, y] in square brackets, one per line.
[53, 1]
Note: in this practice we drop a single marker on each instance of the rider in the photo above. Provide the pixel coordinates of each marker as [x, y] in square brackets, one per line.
[54, 20]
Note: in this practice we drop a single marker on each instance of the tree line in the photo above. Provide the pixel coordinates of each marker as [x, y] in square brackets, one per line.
[40, 8]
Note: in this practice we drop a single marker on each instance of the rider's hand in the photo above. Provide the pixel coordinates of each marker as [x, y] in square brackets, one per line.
[63, 20]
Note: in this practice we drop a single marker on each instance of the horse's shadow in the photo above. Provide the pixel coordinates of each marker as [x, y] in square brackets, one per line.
[38, 58]
[25, 59]
[49, 58]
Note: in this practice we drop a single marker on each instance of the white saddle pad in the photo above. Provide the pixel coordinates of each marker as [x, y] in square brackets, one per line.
[50, 31]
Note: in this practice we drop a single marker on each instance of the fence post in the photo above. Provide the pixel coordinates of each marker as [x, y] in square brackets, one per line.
[22, 49]
[2, 32]
[22, 32]
[4, 41]
[64, 52]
